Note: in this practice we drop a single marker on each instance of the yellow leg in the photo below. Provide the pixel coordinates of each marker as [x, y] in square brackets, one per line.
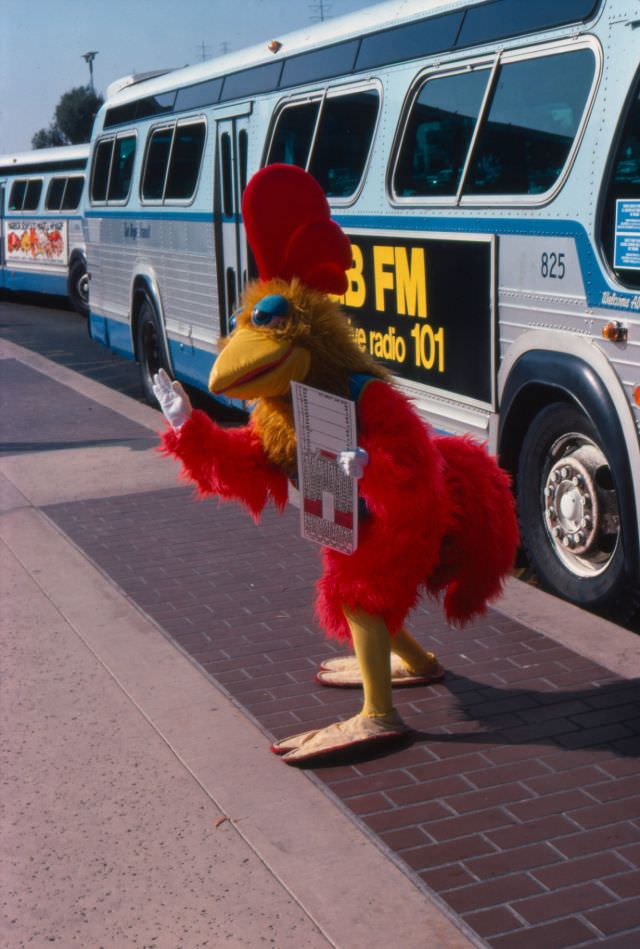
[372, 645]
[378, 719]
[415, 658]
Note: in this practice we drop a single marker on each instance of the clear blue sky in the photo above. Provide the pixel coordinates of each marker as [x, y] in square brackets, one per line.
[42, 43]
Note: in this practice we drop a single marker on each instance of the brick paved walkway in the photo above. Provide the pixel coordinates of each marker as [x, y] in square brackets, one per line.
[517, 801]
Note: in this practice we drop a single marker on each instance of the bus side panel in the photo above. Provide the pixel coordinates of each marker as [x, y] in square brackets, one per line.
[186, 266]
[191, 364]
[540, 284]
[76, 236]
[176, 251]
[188, 287]
[20, 280]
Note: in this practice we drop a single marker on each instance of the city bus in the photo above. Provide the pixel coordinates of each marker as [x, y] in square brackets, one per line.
[42, 246]
[484, 159]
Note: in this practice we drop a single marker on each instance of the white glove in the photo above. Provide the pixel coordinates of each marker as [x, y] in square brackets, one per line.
[173, 400]
[353, 462]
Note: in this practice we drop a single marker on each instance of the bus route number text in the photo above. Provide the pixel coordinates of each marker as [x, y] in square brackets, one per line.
[552, 266]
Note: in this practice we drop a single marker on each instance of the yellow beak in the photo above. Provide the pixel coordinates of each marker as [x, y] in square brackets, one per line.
[255, 364]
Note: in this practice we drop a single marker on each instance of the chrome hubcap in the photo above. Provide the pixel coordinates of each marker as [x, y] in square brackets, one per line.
[83, 288]
[580, 506]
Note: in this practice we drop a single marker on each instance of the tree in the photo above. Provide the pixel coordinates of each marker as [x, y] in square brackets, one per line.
[73, 119]
[47, 138]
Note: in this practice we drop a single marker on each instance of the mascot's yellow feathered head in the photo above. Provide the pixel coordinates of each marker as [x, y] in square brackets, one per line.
[290, 328]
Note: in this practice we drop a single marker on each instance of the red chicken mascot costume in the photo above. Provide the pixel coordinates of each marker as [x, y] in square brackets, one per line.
[437, 512]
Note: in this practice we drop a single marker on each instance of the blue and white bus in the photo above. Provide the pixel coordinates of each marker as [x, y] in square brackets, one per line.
[41, 234]
[484, 158]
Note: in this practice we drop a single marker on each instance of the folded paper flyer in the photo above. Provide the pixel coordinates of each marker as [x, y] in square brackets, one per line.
[325, 426]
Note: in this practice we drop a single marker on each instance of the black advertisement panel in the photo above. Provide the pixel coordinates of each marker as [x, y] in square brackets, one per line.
[422, 307]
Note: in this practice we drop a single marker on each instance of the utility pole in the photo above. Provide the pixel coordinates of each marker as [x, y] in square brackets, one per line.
[204, 51]
[89, 58]
[321, 8]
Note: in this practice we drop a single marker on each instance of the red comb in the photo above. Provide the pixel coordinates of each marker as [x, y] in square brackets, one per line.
[290, 231]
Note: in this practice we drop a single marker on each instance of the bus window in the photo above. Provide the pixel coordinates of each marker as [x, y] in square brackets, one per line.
[343, 141]
[16, 198]
[198, 96]
[55, 191]
[72, 194]
[32, 196]
[621, 211]
[437, 136]
[292, 138]
[156, 164]
[185, 162]
[534, 115]
[172, 163]
[121, 168]
[101, 165]
[25, 194]
[227, 175]
[243, 158]
[231, 289]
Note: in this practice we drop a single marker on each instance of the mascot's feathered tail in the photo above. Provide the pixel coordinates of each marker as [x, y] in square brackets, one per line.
[479, 547]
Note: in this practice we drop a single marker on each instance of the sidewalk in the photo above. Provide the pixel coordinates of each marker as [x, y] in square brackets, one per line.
[153, 644]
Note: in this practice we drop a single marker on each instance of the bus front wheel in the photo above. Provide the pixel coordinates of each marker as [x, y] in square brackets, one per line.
[149, 348]
[570, 520]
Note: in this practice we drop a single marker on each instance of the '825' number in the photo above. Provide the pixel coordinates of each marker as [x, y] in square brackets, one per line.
[552, 266]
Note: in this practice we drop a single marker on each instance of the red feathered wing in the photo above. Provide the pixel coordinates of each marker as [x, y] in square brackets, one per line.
[290, 231]
[227, 462]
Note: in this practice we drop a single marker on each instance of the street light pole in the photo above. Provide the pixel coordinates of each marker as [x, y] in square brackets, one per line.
[89, 58]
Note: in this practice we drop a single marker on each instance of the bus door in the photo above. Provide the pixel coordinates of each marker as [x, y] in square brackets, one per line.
[231, 244]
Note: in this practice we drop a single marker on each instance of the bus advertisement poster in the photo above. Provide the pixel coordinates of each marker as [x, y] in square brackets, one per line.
[627, 237]
[36, 241]
[424, 308]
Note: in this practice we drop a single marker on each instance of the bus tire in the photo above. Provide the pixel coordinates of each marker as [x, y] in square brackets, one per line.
[570, 522]
[149, 349]
[78, 285]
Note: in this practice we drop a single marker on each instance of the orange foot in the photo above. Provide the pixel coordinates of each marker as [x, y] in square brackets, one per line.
[355, 732]
[344, 672]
